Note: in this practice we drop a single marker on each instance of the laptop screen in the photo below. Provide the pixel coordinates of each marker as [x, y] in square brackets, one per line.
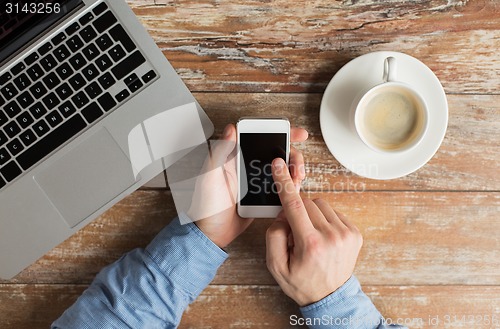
[21, 22]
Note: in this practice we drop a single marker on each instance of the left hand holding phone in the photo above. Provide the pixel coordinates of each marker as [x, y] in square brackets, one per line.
[223, 227]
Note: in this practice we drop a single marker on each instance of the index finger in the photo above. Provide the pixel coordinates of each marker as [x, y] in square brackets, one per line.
[298, 134]
[291, 201]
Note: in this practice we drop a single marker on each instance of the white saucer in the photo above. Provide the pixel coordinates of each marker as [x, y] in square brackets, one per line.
[338, 132]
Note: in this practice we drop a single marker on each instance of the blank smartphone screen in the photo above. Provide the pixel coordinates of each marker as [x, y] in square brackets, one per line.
[259, 150]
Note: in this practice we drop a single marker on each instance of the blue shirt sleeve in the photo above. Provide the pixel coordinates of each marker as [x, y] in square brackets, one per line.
[151, 287]
[347, 307]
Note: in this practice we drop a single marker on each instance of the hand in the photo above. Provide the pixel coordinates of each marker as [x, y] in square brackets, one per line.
[311, 248]
[214, 200]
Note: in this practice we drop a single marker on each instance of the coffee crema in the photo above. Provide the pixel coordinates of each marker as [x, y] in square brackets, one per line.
[393, 118]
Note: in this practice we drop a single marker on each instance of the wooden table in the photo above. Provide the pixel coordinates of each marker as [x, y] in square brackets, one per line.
[432, 246]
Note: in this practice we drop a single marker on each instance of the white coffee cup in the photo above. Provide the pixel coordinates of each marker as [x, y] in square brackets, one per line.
[391, 117]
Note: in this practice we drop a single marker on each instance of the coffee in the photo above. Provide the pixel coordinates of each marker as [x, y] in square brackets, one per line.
[393, 118]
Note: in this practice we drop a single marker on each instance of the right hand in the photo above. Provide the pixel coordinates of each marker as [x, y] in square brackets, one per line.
[311, 248]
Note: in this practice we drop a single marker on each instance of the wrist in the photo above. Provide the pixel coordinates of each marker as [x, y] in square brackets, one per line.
[350, 287]
[219, 242]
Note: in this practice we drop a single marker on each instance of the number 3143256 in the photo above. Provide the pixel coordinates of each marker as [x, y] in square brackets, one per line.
[32, 8]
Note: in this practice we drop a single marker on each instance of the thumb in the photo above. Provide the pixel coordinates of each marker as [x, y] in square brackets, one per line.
[221, 149]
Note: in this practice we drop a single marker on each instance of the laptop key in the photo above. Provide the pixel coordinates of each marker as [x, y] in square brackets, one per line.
[3, 118]
[64, 71]
[12, 109]
[25, 99]
[35, 72]
[48, 62]
[9, 91]
[4, 156]
[64, 91]
[74, 43]
[93, 90]
[88, 33]
[15, 146]
[18, 68]
[67, 109]
[104, 62]
[77, 81]
[117, 53]
[22, 82]
[134, 86]
[41, 128]
[30, 59]
[3, 138]
[58, 38]
[129, 64]
[86, 18]
[50, 142]
[72, 28]
[92, 112]
[100, 8]
[61, 53]
[38, 90]
[53, 118]
[4, 78]
[27, 137]
[90, 72]
[12, 129]
[77, 61]
[80, 99]
[51, 101]
[2, 101]
[51, 80]
[133, 82]
[90, 52]
[38, 110]
[118, 33]
[128, 80]
[10, 171]
[106, 101]
[122, 95]
[25, 119]
[149, 76]
[106, 80]
[45, 48]
[104, 42]
[104, 22]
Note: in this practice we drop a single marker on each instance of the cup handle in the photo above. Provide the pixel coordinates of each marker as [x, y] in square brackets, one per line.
[390, 69]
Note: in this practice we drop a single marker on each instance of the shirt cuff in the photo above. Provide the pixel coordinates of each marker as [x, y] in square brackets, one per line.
[347, 307]
[186, 255]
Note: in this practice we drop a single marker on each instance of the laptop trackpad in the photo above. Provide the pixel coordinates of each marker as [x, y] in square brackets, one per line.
[86, 178]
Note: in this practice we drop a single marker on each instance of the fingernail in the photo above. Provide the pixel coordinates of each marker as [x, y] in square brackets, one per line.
[278, 163]
[227, 131]
[302, 169]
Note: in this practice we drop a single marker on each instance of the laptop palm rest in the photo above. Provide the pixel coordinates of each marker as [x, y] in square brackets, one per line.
[87, 177]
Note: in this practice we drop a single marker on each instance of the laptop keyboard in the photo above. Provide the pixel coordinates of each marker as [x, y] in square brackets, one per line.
[64, 86]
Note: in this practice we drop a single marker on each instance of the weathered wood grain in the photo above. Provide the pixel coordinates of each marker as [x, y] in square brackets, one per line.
[279, 46]
[410, 238]
[221, 307]
[468, 159]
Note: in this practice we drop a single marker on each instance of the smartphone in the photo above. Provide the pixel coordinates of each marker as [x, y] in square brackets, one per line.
[260, 141]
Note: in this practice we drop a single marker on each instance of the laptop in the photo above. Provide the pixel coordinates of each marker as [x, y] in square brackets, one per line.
[90, 110]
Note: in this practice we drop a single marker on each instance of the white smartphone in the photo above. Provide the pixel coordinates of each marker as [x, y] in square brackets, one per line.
[260, 141]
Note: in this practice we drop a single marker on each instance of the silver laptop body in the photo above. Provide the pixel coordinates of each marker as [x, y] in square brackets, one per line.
[73, 143]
